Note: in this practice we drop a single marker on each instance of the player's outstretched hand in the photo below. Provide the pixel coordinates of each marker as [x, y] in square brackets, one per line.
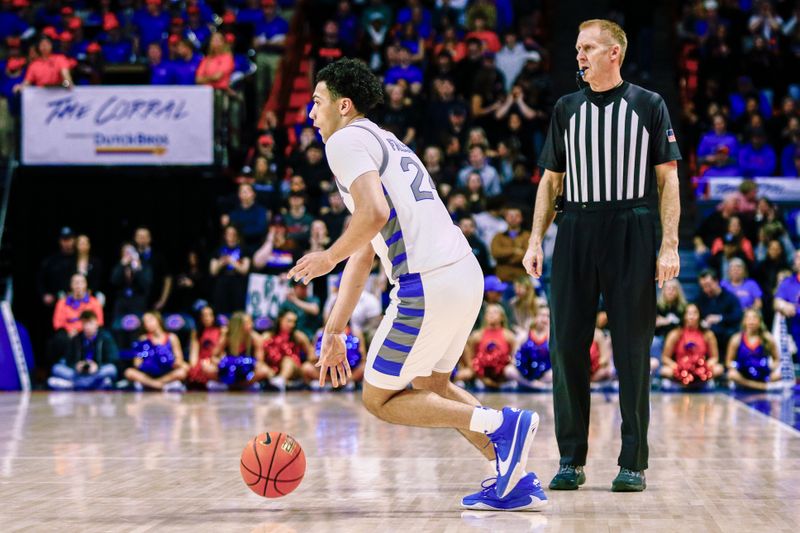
[533, 260]
[312, 266]
[333, 359]
[668, 265]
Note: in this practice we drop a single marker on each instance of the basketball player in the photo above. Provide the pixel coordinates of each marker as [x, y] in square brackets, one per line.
[437, 290]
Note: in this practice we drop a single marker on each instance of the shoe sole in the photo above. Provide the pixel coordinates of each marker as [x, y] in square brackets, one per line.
[627, 488]
[519, 468]
[534, 505]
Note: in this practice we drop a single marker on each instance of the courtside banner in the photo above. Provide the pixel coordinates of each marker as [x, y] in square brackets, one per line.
[118, 125]
[787, 189]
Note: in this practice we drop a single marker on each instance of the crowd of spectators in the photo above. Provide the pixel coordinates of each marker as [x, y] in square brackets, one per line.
[741, 86]
[64, 43]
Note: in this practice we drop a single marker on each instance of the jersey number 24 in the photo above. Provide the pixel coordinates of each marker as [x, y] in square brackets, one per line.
[416, 186]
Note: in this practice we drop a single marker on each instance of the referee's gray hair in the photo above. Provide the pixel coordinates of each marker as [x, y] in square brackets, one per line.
[613, 29]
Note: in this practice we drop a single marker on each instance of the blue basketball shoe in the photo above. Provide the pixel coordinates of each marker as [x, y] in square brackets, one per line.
[527, 495]
[512, 442]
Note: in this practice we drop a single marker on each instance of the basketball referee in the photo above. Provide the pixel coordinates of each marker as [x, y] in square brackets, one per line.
[608, 145]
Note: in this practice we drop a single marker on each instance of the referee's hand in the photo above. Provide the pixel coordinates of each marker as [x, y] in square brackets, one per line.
[533, 260]
[668, 265]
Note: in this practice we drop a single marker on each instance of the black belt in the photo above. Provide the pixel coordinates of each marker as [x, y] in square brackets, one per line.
[582, 207]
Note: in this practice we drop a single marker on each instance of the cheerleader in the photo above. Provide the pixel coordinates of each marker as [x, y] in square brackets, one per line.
[752, 358]
[531, 367]
[158, 362]
[238, 361]
[356, 357]
[488, 350]
[203, 345]
[284, 348]
[600, 357]
[691, 356]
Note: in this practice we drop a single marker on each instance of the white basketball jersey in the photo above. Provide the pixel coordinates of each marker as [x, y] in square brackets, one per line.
[420, 235]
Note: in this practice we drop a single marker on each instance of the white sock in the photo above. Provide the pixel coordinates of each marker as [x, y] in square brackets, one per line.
[485, 420]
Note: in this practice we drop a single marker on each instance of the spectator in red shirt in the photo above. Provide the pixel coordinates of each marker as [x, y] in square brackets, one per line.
[67, 315]
[734, 230]
[481, 30]
[451, 44]
[216, 68]
[48, 69]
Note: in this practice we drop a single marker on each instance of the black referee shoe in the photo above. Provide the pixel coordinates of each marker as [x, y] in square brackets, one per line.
[629, 481]
[569, 477]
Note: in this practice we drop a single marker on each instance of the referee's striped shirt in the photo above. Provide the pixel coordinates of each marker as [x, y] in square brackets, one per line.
[607, 143]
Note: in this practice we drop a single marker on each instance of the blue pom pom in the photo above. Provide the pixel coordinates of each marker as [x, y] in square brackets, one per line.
[532, 360]
[157, 360]
[236, 369]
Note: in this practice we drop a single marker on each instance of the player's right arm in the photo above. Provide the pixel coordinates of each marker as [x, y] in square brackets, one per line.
[333, 352]
[543, 215]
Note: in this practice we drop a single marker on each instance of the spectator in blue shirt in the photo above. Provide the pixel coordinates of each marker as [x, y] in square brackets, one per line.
[271, 28]
[708, 152]
[78, 42]
[116, 48]
[757, 158]
[159, 69]
[405, 71]
[792, 169]
[744, 288]
[11, 23]
[197, 31]
[250, 14]
[787, 300]
[47, 15]
[789, 156]
[152, 23]
[249, 217]
[348, 24]
[421, 17]
[89, 70]
[206, 13]
[479, 164]
[184, 67]
[722, 164]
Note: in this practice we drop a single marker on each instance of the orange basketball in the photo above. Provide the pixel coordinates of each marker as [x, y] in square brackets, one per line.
[273, 464]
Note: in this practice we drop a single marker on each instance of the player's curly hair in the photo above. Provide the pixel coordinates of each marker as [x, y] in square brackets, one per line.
[351, 78]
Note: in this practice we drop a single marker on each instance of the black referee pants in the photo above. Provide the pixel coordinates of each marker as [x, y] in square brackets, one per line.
[613, 253]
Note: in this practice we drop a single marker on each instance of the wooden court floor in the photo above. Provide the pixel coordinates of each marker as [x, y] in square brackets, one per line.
[158, 462]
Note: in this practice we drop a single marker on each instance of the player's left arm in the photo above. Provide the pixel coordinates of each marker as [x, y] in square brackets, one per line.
[668, 265]
[370, 215]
